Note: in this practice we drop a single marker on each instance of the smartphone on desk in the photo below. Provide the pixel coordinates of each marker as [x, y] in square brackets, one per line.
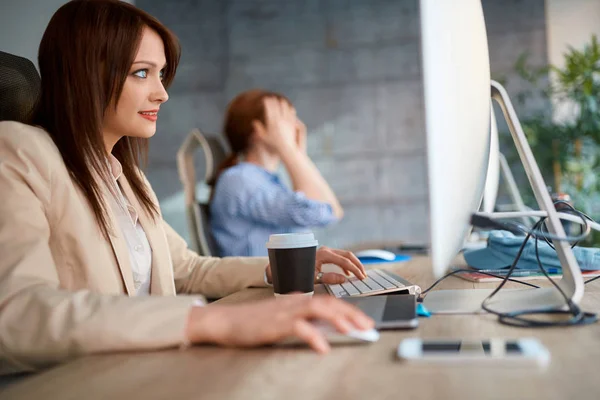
[496, 351]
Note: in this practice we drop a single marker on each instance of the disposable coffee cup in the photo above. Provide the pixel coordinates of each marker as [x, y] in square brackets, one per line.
[292, 257]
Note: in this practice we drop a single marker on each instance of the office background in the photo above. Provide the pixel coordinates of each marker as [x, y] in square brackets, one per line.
[353, 70]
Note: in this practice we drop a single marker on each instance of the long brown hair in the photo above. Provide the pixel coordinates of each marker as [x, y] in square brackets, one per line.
[84, 58]
[245, 108]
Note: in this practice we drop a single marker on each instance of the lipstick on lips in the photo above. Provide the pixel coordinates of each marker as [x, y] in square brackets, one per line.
[151, 115]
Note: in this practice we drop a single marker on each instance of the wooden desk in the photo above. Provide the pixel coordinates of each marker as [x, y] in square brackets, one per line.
[355, 372]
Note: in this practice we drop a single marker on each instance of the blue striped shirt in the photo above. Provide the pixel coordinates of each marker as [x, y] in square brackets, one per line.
[250, 203]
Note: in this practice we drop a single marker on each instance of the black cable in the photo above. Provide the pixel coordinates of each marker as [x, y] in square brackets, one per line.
[591, 280]
[509, 272]
[513, 227]
[517, 318]
[582, 215]
[485, 222]
[572, 210]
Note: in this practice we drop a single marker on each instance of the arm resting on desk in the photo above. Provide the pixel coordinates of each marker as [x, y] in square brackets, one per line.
[212, 276]
[42, 324]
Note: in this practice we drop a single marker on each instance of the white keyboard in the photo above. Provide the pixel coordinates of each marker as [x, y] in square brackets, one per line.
[378, 281]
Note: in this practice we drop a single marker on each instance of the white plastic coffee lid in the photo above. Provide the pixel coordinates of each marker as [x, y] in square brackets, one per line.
[292, 241]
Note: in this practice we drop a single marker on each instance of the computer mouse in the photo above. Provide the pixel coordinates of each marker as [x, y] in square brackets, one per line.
[352, 336]
[375, 253]
[332, 335]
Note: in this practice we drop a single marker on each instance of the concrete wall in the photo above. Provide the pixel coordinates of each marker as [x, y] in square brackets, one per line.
[22, 24]
[353, 70]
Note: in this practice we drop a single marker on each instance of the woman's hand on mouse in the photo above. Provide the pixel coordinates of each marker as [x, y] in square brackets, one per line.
[346, 260]
[269, 321]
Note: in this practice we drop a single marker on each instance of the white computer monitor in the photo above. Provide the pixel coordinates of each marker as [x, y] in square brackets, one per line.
[456, 80]
[457, 93]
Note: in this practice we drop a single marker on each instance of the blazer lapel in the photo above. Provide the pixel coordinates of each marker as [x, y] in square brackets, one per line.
[119, 246]
[162, 280]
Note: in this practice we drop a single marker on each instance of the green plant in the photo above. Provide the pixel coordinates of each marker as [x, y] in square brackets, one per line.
[579, 82]
[567, 150]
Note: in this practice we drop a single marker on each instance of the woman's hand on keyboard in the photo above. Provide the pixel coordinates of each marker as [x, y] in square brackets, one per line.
[346, 260]
[270, 321]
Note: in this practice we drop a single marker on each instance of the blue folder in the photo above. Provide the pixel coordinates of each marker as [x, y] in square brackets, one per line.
[375, 260]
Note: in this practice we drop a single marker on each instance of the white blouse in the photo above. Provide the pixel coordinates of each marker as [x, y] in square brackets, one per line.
[140, 253]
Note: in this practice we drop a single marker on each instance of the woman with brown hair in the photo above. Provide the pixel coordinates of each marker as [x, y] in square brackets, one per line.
[249, 202]
[87, 263]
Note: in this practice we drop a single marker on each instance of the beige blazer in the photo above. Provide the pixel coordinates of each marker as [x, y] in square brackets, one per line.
[64, 289]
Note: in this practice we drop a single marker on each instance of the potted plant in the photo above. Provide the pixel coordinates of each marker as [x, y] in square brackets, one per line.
[567, 149]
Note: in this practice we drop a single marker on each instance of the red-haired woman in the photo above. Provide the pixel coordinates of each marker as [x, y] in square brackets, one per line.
[249, 202]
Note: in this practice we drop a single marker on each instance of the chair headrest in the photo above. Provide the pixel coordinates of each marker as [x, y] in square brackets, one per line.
[20, 86]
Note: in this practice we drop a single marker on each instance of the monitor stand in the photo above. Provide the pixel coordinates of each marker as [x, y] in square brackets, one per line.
[469, 300]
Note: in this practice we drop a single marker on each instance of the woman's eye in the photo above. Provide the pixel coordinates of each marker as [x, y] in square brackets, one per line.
[142, 73]
[162, 74]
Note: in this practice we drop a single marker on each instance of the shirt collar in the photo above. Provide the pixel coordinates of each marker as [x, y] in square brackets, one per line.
[116, 169]
[272, 175]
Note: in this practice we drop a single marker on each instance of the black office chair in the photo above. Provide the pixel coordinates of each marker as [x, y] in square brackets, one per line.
[198, 214]
[19, 88]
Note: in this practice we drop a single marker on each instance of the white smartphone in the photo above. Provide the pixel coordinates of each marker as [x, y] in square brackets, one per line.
[496, 350]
